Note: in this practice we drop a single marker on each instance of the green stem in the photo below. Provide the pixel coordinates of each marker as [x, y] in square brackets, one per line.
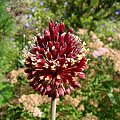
[53, 109]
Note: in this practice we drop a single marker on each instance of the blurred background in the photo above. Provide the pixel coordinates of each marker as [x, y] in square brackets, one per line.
[97, 22]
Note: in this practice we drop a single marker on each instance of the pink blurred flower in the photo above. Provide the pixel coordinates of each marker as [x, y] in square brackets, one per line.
[95, 54]
[110, 39]
[94, 37]
[99, 52]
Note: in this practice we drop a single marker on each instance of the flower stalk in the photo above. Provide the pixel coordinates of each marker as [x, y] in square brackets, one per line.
[53, 109]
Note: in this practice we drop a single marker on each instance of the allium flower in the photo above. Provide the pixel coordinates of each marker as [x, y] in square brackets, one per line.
[55, 60]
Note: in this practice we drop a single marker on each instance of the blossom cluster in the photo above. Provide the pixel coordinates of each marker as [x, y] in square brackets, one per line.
[31, 103]
[100, 52]
[55, 60]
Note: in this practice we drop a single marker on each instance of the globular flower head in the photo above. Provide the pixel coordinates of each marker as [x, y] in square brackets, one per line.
[55, 61]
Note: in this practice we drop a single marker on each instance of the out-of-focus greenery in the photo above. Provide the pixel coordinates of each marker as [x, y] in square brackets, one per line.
[79, 13]
[8, 49]
[6, 92]
[6, 23]
[17, 112]
[99, 17]
[9, 54]
[99, 87]
[87, 13]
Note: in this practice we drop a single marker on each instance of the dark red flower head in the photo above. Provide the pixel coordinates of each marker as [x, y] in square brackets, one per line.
[55, 60]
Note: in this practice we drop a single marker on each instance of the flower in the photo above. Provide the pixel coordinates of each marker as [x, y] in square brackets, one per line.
[26, 25]
[37, 112]
[31, 103]
[29, 16]
[41, 3]
[101, 51]
[94, 37]
[65, 4]
[34, 9]
[46, 9]
[14, 46]
[103, 25]
[12, 39]
[82, 31]
[117, 12]
[109, 39]
[81, 108]
[95, 54]
[55, 60]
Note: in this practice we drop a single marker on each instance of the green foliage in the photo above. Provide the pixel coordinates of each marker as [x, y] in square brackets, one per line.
[8, 50]
[17, 112]
[87, 13]
[45, 108]
[115, 44]
[107, 28]
[22, 80]
[6, 92]
[75, 13]
[102, 84]
[6, 21]
[68, 112]
[13, 112]
[8, 55]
